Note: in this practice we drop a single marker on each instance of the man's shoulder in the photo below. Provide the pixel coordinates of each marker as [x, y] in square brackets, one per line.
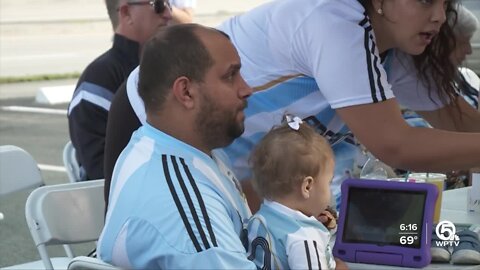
[107, 71]
[101, 61]
[165, 155]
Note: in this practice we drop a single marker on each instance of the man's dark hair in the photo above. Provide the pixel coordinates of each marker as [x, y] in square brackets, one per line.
[112, 9]
[172, 52]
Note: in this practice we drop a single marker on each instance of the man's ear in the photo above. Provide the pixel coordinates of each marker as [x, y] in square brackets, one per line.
[307, 184]
[184, 92]
[124, 14]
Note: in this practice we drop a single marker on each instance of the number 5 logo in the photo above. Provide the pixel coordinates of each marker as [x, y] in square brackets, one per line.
[445, 231]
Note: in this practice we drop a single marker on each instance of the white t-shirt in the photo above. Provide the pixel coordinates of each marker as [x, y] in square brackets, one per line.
[330, 41]
[409, 90]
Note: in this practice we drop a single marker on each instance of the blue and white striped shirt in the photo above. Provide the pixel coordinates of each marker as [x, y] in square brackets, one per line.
[172, 206]
[282, 238]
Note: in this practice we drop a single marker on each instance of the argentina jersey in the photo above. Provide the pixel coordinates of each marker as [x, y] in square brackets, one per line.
[282, 238]
[173, 207]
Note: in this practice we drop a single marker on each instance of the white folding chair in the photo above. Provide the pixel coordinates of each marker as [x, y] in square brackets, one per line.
[18, 170]
[88, 263]
[70, 162]
[61, 215]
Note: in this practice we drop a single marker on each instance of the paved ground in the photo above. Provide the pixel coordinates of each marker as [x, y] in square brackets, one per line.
[52, 37]
[63, 36]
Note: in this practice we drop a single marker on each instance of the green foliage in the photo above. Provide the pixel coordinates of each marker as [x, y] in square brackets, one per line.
[40, 77]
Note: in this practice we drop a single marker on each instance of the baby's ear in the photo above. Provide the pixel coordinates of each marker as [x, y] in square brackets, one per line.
[307, 185]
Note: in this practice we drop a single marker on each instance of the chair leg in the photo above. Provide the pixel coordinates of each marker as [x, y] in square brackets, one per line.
[42, 250]
[68, 251]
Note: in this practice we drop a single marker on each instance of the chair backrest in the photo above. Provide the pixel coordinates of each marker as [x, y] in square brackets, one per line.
[471, 77]
[65, 214]
[70, 162]
[18, 170]
[83, 262]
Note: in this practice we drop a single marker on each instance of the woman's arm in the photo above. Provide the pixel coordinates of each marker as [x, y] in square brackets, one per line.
[465, 118]
[382, 129]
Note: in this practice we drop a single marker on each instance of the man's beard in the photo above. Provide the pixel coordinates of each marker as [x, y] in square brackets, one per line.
[217, 127]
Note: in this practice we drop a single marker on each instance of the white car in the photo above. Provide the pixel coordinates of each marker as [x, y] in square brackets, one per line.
[473, 61]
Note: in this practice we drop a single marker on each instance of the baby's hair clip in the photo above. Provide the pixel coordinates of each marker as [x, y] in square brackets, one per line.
[293, 121]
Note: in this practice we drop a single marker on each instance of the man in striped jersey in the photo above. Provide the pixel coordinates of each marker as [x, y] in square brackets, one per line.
[174, 204]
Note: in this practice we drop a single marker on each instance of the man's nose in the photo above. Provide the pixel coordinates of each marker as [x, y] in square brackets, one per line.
[244, 89]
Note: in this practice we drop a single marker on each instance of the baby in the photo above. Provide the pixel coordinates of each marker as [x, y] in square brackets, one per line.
[292, 170]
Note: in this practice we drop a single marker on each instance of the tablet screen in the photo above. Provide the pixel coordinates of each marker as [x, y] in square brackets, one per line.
[384, 217]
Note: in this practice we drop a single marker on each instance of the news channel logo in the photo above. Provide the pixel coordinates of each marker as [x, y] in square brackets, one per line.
[446, 232]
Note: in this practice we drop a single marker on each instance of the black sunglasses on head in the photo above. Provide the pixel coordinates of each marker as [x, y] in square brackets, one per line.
[158, 5]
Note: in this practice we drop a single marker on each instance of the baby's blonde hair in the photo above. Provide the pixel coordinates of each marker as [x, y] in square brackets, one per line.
[285, 156]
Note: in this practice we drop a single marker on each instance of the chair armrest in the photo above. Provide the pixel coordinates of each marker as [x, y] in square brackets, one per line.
[84, 262]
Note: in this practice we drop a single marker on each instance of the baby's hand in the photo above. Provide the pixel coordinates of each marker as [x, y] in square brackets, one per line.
[328, 218]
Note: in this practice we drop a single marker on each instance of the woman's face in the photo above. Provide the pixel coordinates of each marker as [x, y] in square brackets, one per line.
[410, 25]
[463, 47]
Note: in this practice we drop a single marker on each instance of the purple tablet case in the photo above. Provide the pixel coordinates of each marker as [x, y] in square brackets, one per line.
[385, 222]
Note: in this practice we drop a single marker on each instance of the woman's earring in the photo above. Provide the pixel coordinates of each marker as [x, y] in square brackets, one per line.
[380, 11]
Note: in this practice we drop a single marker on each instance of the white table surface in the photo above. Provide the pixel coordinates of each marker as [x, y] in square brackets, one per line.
[454, 209]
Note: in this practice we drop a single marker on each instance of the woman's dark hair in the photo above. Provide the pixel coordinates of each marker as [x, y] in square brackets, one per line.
[434, 65]
[367, 4]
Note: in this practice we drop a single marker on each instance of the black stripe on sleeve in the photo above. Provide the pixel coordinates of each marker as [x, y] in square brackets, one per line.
[200, 230]
[374, 86]
[178, 204]
[377, 71]
[206, 218]
[369, 65]
[365, 20]
[307, 251]
[318, 256]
